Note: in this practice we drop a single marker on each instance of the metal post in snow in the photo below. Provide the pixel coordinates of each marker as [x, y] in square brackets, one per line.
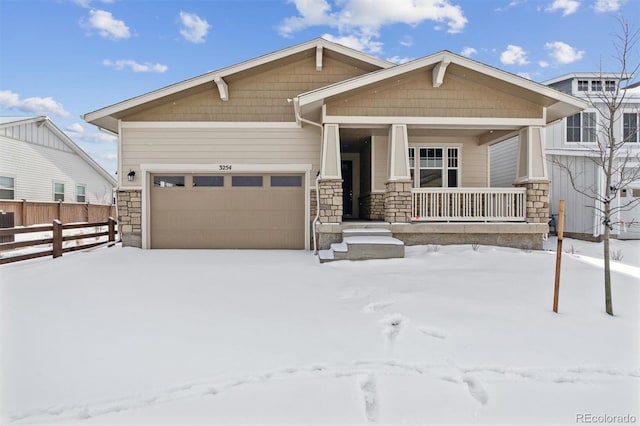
[556, 289]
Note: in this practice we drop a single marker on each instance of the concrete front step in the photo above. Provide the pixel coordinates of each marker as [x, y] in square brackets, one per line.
[363, 247]
[362, 232]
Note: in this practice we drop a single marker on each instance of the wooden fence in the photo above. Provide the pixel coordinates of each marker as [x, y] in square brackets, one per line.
[28, 213]
[55, 243]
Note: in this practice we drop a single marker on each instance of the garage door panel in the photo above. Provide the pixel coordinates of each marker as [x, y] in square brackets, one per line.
[228, 216]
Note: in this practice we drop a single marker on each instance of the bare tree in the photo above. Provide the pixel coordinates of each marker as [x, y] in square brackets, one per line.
[611, 154]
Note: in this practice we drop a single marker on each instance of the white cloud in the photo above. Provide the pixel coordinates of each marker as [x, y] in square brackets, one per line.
[87, 3]
[35, 105]
[407, 41]
[563, 53]
[135, 66]
[363, 43]
[468, 51]
[514, 55]
[365, 18]
[194, 28]
[74, 129]
[607, 5]
[543, 64]
[399, 60]
[107, 25]
[566, 6]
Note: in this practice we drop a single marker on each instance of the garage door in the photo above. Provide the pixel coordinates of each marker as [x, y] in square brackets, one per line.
[227, 211]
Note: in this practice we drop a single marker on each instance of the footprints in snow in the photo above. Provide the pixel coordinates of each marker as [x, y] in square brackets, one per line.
[395, 322]
[369, 391]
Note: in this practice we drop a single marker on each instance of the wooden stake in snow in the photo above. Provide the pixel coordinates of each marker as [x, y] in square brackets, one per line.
[556, 290]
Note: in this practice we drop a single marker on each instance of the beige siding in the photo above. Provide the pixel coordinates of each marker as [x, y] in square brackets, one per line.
[216, 146]
[257, 96]
[475, 157]
[413, 95]
[380, 159]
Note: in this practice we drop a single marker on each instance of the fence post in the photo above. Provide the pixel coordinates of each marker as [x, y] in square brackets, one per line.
[24, 213]
[60, 210]
[112, 229]
[57, 238]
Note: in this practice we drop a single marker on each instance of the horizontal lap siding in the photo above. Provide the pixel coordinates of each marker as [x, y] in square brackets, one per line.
[415, 96]
[504, 159]
[216, 146]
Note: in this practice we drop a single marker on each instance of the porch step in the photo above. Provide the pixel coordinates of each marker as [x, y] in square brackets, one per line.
[364, 244]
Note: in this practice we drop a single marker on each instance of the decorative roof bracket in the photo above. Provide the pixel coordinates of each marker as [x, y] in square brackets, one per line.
[318, 58]
[223, 89]
[439, 70]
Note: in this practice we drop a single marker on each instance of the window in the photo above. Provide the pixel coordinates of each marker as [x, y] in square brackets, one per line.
[630, 126]
[208, 181]
[581, 127]
[610, 85]
[81, 194]
[58, 191]
[246, 180]
[286, 181]
[583, 85]
[435, 167]
[596, 86]
[7, 188]
[168, 181]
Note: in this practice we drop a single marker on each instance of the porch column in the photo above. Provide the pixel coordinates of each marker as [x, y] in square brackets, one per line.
[532, 173]
[397, 197]
[330, 178]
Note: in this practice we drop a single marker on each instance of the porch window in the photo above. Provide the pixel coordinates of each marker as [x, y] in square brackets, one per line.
[434, 167]
[630, 126]
[581, 127]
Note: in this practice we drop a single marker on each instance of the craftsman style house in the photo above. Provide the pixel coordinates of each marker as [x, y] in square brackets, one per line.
[292, 147]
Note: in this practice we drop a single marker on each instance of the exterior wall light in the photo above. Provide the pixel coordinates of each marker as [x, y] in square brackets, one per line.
[131, 176]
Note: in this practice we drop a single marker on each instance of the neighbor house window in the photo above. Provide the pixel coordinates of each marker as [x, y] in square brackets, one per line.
[434, 167]
[630, 126]
[596, 86]
[610, 85]
[581, 127]
[58, 191]
[7, 188]
[81, 194]
[583, 85]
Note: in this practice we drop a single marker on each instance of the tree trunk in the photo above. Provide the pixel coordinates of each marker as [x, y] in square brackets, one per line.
[607, 273]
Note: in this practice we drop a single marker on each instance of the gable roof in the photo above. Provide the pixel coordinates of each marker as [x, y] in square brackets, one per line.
[104, 116]
[46, 121]
[558, 104]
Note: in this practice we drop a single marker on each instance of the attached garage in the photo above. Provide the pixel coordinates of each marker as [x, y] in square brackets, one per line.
[227, 210]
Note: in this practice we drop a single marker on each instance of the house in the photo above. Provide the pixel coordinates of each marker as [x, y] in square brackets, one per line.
[571, 141]
[293, 147]
[39, 162]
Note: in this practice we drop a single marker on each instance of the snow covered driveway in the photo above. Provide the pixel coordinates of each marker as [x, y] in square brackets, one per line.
[446, 335]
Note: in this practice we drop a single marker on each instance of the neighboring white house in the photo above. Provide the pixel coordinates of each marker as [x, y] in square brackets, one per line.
[572, 141]
[39, 162]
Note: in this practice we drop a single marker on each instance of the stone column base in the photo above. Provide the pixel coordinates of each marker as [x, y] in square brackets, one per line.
[330, 194]
[537, 200]
[130, 217]
[397, 201]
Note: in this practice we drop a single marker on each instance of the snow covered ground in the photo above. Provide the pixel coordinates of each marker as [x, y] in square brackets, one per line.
[448, 335]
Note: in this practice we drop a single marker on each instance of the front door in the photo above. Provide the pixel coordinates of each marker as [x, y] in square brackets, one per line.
[347, 188]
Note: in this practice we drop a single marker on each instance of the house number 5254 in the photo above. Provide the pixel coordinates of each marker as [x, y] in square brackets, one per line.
[225, 166]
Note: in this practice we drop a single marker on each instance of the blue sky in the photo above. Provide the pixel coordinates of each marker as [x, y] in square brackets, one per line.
[64, 58]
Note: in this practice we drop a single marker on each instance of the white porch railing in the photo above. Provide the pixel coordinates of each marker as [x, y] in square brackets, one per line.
[469, 204]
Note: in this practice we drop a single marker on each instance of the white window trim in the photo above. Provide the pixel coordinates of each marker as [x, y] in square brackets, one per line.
[14, 185]
[53, 189]
[445, 163]
[635, 111]
[83, 185]
[581, 142]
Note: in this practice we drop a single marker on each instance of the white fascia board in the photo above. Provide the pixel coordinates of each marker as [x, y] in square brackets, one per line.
[16, 121]
[440, 122]
[233, 69]
[427, 61]
[209, 125]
